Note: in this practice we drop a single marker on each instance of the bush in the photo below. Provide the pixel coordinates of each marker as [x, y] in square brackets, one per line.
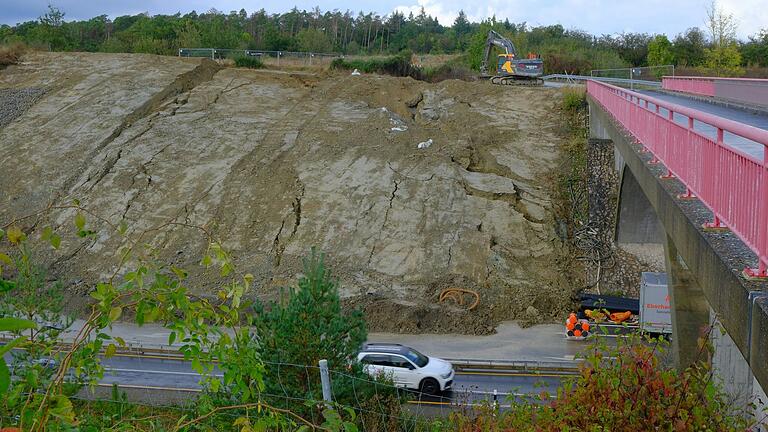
[447, 71]
[399, 65]
[249, 62]
[623, 389]
[11, 53]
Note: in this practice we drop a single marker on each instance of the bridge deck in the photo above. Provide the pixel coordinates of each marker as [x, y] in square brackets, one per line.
[757, 120]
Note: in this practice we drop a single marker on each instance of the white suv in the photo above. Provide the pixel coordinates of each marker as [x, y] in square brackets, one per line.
[407, 367]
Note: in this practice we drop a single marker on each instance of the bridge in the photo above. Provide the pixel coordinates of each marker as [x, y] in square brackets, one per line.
[693, 162]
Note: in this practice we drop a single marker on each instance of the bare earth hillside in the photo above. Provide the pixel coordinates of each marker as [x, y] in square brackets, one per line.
[275, 162]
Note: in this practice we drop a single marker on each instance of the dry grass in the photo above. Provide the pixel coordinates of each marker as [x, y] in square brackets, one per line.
[11, 53]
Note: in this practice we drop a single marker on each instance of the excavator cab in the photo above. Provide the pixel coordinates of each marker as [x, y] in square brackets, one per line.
[505, 65]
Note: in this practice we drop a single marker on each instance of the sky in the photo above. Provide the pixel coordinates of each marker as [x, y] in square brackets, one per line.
[595, 16]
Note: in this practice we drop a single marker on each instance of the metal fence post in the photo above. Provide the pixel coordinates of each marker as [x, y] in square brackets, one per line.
[326, 381]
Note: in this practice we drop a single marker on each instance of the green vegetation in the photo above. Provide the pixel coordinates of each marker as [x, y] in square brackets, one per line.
[397, 65]
[249, 62]
[564, 50]
[268, 353]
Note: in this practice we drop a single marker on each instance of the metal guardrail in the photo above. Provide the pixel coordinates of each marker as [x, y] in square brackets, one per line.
[623, 81]
[730, 182]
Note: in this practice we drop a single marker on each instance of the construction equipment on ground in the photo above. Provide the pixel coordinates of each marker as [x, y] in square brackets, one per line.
[511, 70]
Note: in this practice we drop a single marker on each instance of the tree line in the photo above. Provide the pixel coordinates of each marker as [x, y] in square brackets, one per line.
[713, 49]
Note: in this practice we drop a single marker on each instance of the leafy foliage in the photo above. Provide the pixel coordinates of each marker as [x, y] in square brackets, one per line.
[249, 62]
[398, 65]
[660, 51]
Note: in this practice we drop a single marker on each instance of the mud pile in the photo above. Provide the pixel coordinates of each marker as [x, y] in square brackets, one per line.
[275, 163]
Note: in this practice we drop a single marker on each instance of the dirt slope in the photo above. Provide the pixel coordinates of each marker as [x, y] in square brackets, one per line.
[275, 163]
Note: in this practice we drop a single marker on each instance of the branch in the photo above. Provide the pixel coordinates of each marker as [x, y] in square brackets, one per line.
[252, 405]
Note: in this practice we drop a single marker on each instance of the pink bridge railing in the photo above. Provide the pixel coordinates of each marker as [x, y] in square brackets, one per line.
[695, 85]
[731, 183]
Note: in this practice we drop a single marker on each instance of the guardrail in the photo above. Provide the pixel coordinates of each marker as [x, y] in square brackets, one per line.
[693, 85]
[749, 91]
[624, 81]
[731, 183]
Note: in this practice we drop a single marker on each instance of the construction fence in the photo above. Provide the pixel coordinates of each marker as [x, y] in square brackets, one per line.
[285, 58]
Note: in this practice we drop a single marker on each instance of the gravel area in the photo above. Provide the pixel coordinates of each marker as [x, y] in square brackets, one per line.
[13, 102]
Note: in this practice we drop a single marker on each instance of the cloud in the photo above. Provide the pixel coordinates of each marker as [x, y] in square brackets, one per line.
[599, 16]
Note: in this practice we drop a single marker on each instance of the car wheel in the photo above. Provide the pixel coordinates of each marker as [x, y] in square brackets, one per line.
[429, 386]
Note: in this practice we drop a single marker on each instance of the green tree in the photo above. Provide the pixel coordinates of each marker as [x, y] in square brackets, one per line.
[723, 57]
[314, 40]
[188, 36]
[688, 47]
[660, 51]
[755, 51]
[306, 325]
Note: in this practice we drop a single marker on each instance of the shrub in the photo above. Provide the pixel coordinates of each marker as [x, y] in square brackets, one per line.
[398, 65]
[249, 62]
[623, 389]
[11, 53]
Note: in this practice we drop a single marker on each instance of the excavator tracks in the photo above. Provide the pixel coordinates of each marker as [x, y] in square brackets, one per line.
[511, 80]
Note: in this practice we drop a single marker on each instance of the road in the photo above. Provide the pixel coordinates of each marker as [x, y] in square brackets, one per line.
[158, 373]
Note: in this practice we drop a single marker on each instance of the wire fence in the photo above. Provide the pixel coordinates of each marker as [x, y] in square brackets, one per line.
[645, 73]
[378, 404]
[286, 58]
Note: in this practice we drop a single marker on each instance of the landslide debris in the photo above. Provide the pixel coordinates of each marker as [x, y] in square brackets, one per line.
[275, 163]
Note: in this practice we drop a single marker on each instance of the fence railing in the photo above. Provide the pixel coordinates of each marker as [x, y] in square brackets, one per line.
[693, 85]
[223, 53]
[730, 182]
[752, 92]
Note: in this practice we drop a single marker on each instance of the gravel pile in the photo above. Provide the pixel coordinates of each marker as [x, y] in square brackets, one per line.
[13, 102]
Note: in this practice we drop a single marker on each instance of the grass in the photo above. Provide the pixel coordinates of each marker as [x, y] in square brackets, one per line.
[574, 99]
[249, 62]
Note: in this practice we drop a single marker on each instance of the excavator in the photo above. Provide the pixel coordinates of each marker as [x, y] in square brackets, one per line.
[510, 70]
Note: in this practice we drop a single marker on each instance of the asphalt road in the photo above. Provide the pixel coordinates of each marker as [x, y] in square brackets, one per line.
[156, 374]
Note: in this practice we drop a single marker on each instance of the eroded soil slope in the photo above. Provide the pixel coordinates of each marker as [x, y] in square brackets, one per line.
[274, 163]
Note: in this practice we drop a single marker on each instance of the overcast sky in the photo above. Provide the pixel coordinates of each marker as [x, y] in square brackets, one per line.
[595, 16]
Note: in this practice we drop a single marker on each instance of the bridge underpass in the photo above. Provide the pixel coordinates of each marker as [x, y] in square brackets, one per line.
[705, 267]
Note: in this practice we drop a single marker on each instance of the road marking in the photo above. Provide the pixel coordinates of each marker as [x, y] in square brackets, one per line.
[512, 374]
[150, 371]
[131, 386]
[154, 356]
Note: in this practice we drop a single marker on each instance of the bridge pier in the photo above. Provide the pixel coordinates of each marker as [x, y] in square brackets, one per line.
[689, 309]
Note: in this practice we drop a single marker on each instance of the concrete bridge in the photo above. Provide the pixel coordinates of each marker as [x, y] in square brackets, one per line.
[694, 180]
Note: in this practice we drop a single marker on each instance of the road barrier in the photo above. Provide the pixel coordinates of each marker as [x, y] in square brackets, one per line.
[747, 91]
[692, 85]
[731, 183]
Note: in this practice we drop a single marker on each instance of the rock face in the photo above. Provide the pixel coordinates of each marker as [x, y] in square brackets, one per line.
[274, 163]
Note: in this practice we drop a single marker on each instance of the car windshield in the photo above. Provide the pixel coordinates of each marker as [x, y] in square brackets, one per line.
[417, 358]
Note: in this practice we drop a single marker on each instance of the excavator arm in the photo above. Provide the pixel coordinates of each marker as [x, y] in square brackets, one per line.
[495, 39]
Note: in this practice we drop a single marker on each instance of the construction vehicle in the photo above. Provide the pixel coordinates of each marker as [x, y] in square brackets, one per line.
[511, 70]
